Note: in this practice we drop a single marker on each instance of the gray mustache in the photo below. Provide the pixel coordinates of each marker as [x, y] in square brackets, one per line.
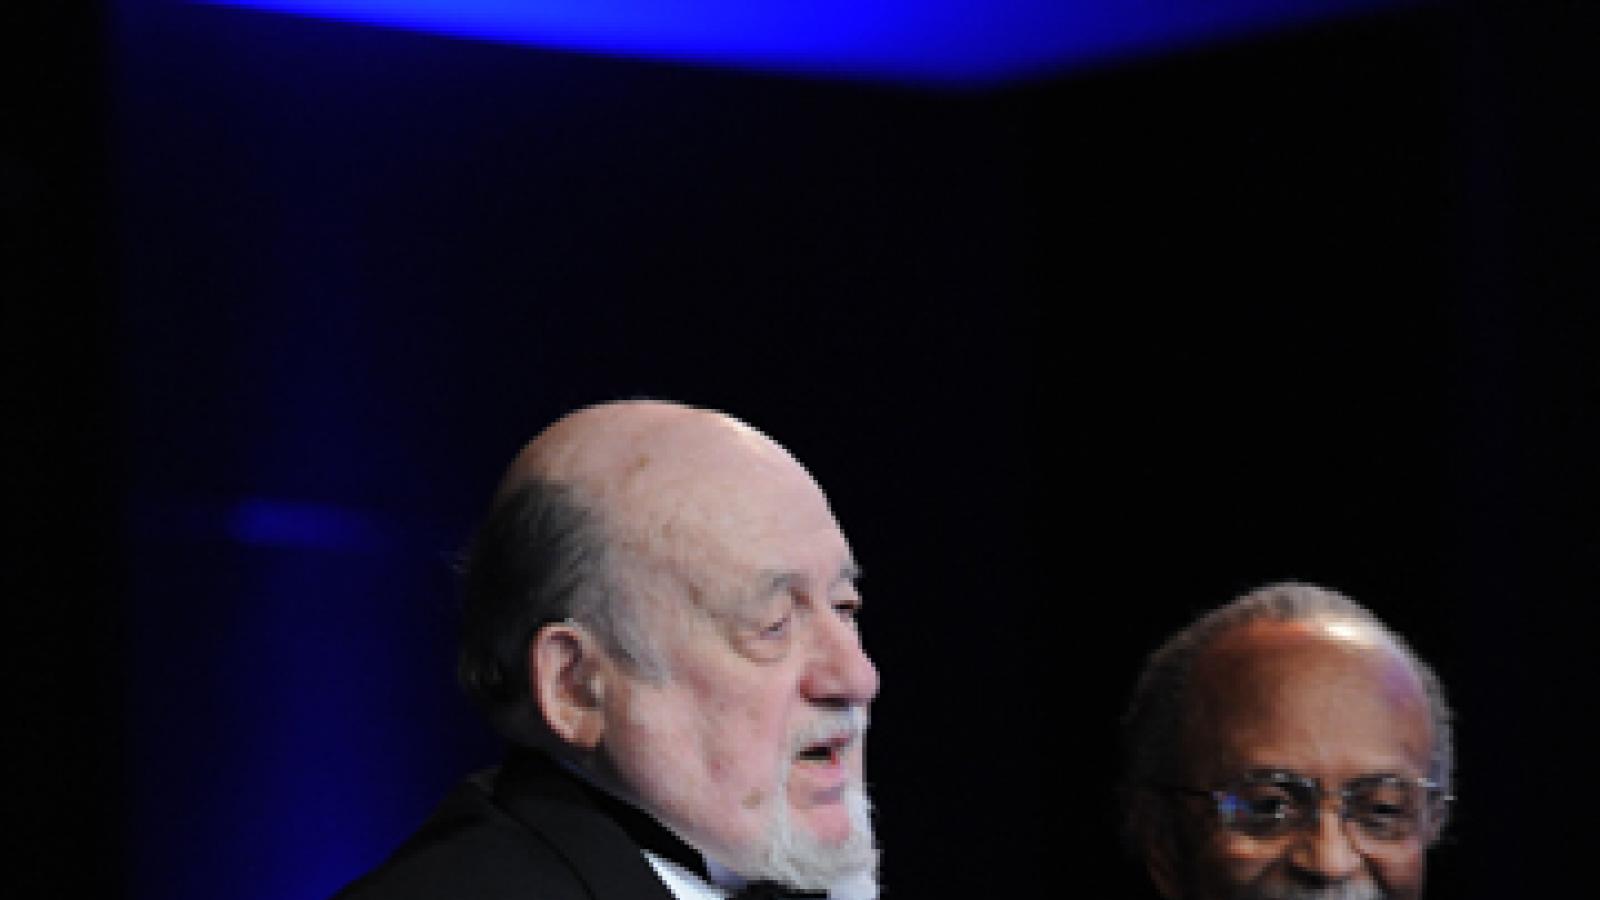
[851, 721]
[1350, 891]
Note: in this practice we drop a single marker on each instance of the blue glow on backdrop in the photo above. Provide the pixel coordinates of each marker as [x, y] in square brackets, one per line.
[938, 41]
[302, 525]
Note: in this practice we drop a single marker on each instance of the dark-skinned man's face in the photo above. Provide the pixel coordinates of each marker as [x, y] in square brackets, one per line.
[1291, 711]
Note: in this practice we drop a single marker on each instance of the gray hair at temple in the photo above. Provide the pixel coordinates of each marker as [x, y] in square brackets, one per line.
[542, 555]
[1152, 729]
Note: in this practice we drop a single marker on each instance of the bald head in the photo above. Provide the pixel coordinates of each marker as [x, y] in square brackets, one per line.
[605, 514]
[1154, 724]
[631, 454]
[599, 444]
[1317, 683]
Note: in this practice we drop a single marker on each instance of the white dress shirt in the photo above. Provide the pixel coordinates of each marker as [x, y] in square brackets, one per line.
[684, 884]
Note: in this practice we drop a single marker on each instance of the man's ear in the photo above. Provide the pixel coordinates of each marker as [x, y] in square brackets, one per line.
[1161, 863]
[1158, 842]
[567, 673]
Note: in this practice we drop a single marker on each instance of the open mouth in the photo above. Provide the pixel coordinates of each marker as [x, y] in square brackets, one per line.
[823, 752]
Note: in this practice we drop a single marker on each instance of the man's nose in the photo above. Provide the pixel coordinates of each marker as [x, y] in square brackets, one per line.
[1326, 850]
[839, 670]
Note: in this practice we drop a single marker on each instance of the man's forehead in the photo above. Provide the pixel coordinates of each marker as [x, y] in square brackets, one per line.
[651, 467]
[1268, 657]
[686, 486]
[1246, 654]
[598, 447]
[1333, 684]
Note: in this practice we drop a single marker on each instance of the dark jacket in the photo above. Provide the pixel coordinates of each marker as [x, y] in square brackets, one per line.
[526, 831]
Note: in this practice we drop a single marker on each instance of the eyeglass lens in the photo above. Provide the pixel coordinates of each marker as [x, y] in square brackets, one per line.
[1382, 808]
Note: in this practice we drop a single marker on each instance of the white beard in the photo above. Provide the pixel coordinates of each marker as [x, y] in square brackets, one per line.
[847, 869]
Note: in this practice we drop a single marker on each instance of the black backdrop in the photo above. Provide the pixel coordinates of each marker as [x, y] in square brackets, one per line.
[1075, 359]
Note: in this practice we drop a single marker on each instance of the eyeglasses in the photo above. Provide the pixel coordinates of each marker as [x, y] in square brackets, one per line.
[1383, 808]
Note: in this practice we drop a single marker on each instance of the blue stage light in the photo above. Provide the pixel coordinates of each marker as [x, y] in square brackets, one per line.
[959, 42]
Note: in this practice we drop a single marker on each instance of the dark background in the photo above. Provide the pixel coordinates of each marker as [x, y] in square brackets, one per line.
[1075, 358]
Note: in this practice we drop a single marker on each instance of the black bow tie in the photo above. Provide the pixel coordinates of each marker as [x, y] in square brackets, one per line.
[772, 890]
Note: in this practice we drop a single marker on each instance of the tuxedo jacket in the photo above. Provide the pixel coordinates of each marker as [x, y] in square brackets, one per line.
[526, 831]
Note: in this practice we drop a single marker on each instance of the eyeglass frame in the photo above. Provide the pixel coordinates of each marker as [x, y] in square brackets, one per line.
[1429, 816]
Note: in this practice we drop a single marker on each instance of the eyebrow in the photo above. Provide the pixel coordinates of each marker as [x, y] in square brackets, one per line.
[1266, 774]
[775, 582]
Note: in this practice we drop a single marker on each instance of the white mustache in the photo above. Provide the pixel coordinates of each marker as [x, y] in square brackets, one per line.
[1349, 891]
[846, 725]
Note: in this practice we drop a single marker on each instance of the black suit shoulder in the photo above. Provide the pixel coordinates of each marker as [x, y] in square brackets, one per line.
[527, 832]
[470, 849]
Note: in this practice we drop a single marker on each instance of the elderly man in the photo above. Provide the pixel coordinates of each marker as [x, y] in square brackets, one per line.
[1287, 746]
[661, 616]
